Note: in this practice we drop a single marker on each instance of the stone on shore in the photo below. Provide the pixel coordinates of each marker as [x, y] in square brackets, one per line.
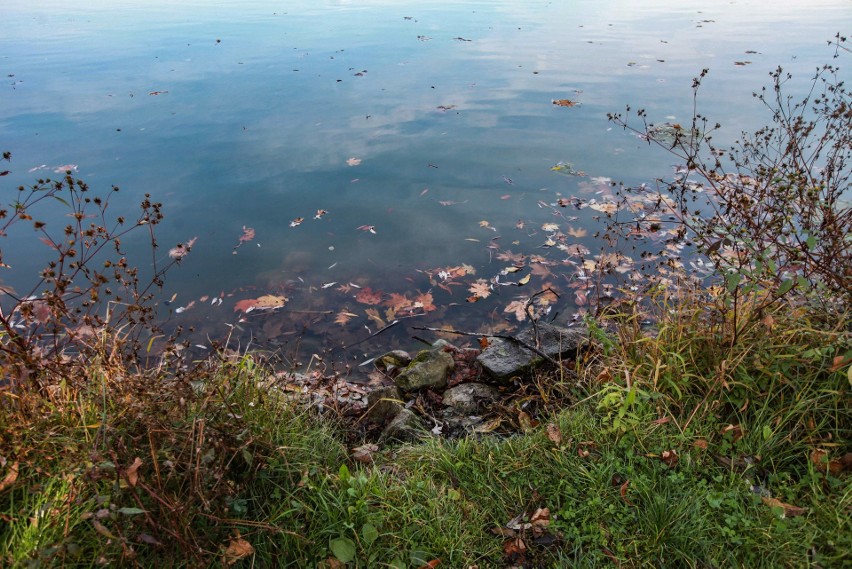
[504, 359]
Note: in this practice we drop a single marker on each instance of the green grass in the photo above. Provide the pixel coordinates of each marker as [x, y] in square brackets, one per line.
[228, 460]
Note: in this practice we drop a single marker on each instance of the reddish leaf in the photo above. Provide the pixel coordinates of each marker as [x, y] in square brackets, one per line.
[10, 478]
[789, 510]
[369, 296]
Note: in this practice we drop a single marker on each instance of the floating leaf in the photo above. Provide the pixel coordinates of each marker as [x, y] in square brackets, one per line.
[320, 213]
[343, 317]
[369, 296]
[353, 161]
[368, 228]
[518, 308]
[266, 302]
[296, 222]
[180, 251]
[480, 289]
[373, 315]
[564, 103]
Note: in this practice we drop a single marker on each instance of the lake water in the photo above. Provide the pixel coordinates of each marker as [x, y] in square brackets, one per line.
[426, 131]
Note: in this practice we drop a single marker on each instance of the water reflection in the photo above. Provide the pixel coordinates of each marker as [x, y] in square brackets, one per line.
[259, 105]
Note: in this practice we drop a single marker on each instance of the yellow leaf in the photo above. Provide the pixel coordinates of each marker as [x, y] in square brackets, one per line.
[373, 314]
[524, 280]
[102, 529]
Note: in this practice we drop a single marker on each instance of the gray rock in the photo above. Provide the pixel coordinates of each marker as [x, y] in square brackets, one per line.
[391, 361]
[428, 369]
[470, 397]
[504, 359]
[406, 426]
[384, 404]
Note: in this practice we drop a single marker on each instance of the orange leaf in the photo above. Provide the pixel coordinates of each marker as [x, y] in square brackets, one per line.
[432, 564]
[564, 103]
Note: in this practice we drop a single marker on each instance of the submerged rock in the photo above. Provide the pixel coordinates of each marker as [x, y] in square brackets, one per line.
[504, 359]
[429, 369]
[392, 361]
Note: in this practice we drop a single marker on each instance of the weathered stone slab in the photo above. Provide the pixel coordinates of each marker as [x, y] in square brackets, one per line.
[504, 359]
[406, 426]
[384, 404]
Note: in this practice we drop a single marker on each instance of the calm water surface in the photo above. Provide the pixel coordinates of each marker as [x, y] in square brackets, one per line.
[430, 122]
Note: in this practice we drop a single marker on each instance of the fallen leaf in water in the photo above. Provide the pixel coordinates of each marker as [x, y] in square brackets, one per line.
[373, 315]
[65, 168]
[368, 228]
[296, 222]
[564, 102]
[369, 296]
[518, 308]
[266, 302]
[426, 302]
[320, 213]
[247, 235]
[608, 208]
[155, 93]
[343, 317]
[4, 173]
[480, 289]
[576, 232]
[353, 161]
[524, 280]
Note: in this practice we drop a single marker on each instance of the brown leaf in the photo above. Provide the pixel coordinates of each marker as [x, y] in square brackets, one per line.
[789, 510]
[554, 433]
[670, 458]
[426, 302]
[102, 529]
[369, 296]
[701, 443]
[237, 549]
[364, 453]
[623, 491]
[540, 518]
[353, 161]
[735, 431]
[10, 478]
[819, 458]
[373, 314]
[480, 289]
[432, 564]
[132, 472]
[343, 317]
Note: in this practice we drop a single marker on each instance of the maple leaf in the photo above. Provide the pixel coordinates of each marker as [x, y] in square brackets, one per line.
[343, 317]
[425, 301]
[296, 222]
[266, 302]
[237, 549]
[518, 308]
[510, 257]
[369, 296]
[550, 227]
[248, 235]
[353, 161]
[480, 289]
[398, 302]
[320, 213]
[576, 232]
